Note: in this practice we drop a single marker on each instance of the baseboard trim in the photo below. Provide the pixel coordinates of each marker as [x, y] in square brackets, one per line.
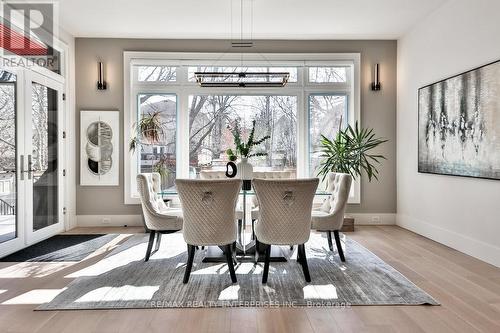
[136, 220]
[471, 246]
[109, 220]
[371, 218]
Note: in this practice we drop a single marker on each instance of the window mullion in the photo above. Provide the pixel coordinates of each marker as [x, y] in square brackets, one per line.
[182, 141]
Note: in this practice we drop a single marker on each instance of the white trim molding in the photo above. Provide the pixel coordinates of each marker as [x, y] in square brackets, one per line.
[373, 218]
[109, 220]
[460, 242]
[136, 220]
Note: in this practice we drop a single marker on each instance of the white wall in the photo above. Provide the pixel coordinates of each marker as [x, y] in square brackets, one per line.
[462, 213]
[70, 114]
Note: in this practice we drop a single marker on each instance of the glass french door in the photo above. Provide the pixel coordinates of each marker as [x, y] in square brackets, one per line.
[42, 171]
[31, 191]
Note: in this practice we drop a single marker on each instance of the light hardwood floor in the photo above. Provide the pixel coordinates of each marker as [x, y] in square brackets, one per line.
[468, 289]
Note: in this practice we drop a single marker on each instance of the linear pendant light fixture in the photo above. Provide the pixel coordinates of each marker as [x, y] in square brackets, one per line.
[242, 79]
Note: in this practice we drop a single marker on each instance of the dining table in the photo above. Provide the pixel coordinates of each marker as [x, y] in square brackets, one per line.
[245, 242]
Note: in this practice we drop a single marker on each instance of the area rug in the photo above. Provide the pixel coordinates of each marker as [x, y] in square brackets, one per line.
[61, 248]
[123, 280]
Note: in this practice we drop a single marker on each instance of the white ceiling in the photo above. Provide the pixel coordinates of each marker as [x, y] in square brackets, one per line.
[272, 19]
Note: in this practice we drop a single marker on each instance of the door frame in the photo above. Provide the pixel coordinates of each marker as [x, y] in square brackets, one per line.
[24, 234]
[19, 241]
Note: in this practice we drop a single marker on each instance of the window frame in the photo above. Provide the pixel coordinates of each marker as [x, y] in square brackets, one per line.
[183, 88]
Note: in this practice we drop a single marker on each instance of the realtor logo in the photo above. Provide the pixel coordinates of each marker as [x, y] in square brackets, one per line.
[27, 34]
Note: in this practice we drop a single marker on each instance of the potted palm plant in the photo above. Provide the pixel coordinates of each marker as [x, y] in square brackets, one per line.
[350, 151]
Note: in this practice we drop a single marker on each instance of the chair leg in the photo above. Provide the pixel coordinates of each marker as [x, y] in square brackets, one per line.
[256, 257]
[330, 243]
[191, 251]
[233, 247]
[158, 242]
[229, 259]
[339, 245]
[253, 229]
[266, 264]
[150, 244]
[303, 261]
[240, 227]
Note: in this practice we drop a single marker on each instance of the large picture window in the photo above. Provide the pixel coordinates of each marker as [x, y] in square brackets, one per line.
[211, 118]
[322, 94]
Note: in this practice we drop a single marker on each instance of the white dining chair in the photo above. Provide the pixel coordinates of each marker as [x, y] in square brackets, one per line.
[285, 216]
[159, 218]
[209, 217]
[330, 217]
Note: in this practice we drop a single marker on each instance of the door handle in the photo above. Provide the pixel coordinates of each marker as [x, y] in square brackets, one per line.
[21, 162]
[30, 166]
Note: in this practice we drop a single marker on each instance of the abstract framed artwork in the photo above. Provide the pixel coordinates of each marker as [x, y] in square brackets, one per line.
[459, 124]
[99, 148]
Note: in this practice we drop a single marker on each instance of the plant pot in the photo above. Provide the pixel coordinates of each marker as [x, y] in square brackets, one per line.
[348, 225]
[245, 172]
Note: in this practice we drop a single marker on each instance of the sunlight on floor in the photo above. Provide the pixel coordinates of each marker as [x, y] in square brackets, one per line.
[113, 244]
[33, 269]
[230, 293]
[327, 291]
[123, 293]
[248, 268]
[269, 290]
[128, 256]
[122, 258]
[37, 296]
[215, 269]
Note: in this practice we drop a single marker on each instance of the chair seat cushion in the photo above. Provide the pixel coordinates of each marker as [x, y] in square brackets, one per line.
[171, 212]
[318, 213]
[320, 220]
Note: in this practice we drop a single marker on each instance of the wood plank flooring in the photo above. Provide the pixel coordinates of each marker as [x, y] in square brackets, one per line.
[468, 289]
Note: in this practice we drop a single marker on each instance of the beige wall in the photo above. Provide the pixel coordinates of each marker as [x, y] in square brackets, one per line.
[378, 109]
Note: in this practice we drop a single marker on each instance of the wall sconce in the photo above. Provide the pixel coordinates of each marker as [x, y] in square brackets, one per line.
[101, 84]
[376, 79]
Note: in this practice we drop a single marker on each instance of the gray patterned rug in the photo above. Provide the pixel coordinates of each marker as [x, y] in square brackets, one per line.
[124, 280]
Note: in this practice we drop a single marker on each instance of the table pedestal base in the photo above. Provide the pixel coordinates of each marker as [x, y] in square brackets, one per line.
[215, 254]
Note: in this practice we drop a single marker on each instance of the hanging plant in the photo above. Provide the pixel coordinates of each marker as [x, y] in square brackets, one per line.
[149, 130]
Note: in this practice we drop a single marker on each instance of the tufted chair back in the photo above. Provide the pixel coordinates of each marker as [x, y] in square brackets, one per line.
[212, 174]
[153, 207]
[285, 210]
[274, 174]
[270, 175]
[208, 208]
[331, 214]
[149, 185]
[339, 186]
